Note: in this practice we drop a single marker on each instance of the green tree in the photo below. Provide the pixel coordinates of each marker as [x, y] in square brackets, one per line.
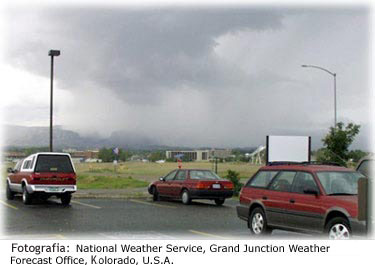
[336, 143]
[157, 155]
[124, 155]
[233, 176]
[356, 155]
[106, 154]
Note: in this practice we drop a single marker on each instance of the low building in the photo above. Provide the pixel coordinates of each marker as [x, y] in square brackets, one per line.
[89, 154]
[14, 156]
[220, 153]
[193, 155]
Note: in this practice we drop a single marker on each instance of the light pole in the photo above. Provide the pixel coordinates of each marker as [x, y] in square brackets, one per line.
[334, 87]
[51, 53]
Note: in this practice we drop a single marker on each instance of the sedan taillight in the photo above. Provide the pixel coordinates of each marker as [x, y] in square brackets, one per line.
[200, 186]
[228, 186]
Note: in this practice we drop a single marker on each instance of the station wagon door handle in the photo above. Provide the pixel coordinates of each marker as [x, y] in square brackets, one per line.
[264, 198]
[292, 201]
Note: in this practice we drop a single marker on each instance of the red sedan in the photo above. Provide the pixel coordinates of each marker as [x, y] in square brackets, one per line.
[189, 184]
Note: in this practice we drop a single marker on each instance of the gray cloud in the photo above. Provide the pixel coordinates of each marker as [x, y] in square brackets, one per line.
[216, 76]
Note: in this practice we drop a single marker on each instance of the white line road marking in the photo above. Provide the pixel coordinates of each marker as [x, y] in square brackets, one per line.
[60, 236]
[207, 234]
[152, 204]
[8, 205]
[85, 204]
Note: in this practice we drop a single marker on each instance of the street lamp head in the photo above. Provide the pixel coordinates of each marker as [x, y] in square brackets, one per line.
[54, 53]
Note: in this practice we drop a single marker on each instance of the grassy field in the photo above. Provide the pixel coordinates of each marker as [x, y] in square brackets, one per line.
[138, 174]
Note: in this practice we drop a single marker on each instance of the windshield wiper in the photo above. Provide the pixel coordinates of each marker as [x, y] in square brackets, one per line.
[341, 193]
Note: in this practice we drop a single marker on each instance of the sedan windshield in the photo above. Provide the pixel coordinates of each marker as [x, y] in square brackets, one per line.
[203, 174]
[340, 183]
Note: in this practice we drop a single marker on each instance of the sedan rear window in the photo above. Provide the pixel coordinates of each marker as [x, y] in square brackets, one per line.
[54, 163]
[262, 179]
[203, 174]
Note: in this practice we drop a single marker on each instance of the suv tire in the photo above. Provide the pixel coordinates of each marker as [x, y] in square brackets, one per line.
[185, 197]
[9, 192]
[219, 202]
[66, 198]
[27, 198]
[338, 228]
[257, 222]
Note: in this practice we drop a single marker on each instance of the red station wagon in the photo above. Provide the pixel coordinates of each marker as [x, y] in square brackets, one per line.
[189, 184]
[42, 175]
[302, 197]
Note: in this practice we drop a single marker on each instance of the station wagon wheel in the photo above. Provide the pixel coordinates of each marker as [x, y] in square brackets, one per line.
[258, 222]
[338, 228]
[185, 197]
[9, 192]
[26, 196]
[155, 194]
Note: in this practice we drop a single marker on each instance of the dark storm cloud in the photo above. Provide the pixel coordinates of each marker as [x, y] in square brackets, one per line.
[198, 76]
[136, 53]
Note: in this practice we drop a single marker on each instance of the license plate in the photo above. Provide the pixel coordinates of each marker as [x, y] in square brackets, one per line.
[53, 189]
[216, 186]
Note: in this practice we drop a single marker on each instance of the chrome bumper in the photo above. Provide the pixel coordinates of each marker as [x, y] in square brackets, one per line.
[51, 188]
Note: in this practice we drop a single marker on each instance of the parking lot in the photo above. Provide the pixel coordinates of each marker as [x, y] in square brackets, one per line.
[123, 219]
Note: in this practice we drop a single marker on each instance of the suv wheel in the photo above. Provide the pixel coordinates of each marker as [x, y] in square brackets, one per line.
[9, 193]
[219, 201]
[185, 197]
[66, 198]
[26, 196]
[258, 222]
[338, 228]
[155, 194]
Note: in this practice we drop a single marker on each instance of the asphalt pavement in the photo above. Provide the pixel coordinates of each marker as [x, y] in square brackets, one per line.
[137, 218]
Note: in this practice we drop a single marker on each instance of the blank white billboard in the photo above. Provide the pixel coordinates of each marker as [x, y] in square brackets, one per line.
[288, 148]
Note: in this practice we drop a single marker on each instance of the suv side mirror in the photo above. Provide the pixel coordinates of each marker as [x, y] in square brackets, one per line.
[162, 179]
[311, 191]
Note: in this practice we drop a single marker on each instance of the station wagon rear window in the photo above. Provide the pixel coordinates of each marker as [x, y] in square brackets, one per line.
[262, 179]
[339, 183]
[54, 163]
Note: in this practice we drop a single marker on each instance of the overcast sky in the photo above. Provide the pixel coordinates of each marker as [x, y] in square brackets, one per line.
[189, 76]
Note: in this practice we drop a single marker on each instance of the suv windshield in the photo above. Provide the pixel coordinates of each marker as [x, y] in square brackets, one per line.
[339, 183]
[54, 163]
[203, 174]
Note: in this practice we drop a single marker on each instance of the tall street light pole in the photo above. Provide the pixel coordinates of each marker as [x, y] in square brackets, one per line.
[334, 87]
[51, 53]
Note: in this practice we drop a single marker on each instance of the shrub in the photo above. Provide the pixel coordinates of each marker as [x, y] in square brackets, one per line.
[233, 176]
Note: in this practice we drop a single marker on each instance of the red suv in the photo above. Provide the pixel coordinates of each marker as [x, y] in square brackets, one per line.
[302, 197]
[189, 184]
[42, 175]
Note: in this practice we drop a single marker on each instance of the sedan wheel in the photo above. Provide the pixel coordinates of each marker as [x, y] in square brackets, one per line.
[219, 201]
[155, 194]
[185, 197]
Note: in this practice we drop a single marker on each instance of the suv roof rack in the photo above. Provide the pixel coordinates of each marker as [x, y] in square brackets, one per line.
[305, 163]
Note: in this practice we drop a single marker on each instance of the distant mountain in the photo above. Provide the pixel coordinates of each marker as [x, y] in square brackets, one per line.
[22, 136]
